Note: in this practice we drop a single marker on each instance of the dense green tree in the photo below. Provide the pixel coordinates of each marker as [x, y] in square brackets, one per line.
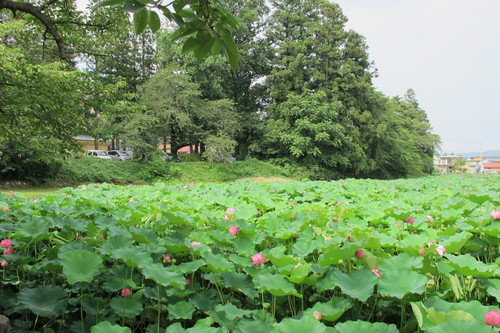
[174, 113]
[215, 77]
[42, 107]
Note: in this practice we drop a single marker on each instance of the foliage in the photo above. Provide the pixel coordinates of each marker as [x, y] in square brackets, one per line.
[219, 149]
[80, 171]
[35, 131]
[161, 257]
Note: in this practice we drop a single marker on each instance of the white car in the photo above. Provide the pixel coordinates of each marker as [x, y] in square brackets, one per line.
[119, 155]
[98, 154]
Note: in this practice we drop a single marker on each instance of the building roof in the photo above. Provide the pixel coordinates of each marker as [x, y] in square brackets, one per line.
[491, 165]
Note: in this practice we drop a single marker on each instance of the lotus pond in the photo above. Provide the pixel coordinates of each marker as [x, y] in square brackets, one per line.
[344, 256]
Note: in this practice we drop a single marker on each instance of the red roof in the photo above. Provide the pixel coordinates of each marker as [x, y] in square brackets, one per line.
[183, 150]
[491, 165]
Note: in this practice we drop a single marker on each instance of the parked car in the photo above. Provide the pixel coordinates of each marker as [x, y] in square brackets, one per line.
[98, 154]
[119, 155]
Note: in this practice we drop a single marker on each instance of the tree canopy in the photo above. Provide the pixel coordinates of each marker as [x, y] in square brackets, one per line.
[301, 96]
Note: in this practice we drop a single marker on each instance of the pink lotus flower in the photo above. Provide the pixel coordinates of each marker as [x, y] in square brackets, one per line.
[338, 204]
[234, 230]
[318, 315]
[84, 188]
[11, 193]
[131, 200]
[226, 218]
[259, 212]
[5, 243]
[188, 282]
[421, 251]
[230, 211]
[399, 224]
[258, 259]
[429, 218]
[193, 244]
[440, 250]
[360, 254]
[35, 201]
[65, 194]
[126, 292]
[492, 318]
[340, 184]
[410, 220]
[495, 214]
[167, 258]
[377, 273]
[8, 250]
[5, 209]
[4, 263]
[335, 219]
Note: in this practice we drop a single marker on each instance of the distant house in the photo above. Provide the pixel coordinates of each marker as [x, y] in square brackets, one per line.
[444, 164]
[491, 165]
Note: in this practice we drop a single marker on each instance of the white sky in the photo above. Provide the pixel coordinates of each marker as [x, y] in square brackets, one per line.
[448, 51]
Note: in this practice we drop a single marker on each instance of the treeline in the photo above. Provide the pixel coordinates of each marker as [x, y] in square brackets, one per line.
[302, 95]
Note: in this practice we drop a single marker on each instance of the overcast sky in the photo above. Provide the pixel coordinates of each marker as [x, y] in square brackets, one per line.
[448, 51]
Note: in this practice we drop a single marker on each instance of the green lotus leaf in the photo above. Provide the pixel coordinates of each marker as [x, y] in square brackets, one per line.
[455, 242]
[132, 256]
[335, 252]
[163, 276]
[129, 307]
[232, 312]
[494, 288]
[116, 242]
[253, 325]
[240, 282]
[190, 267]
[332, 310]
[275, 284]
[467, 265]
[401, 261]
[357, 284]
[218, 263]
[243, 246]
[364, 326]
[48, 300]
[33, 230]
[454, 325]
[399, 282]
[80, 265]
[307, 324]
[180, 310]
[107, 327]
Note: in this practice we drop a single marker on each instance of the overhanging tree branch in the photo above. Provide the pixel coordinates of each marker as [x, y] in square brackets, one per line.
[37, 12]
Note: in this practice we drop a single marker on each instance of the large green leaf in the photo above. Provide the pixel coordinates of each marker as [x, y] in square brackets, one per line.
[468, 265]
[364, 326]
[107, 327]
[332, 310]
[275, 284]
[357, 284]
[180, 310]
[129, 307]
[80, 265]
[399, 282]
[163, 276]
[307, 324]
[49, 300]
[132, 256]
